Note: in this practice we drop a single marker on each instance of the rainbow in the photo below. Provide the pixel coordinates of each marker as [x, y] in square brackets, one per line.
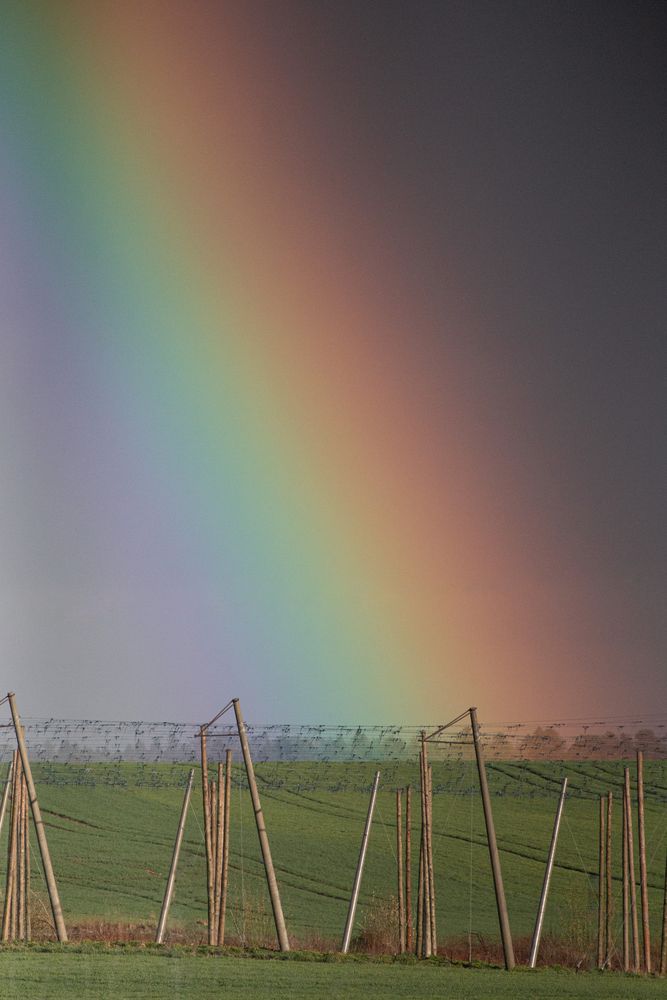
[277, 477]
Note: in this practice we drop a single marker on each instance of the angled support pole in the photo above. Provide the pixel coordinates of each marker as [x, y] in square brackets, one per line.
[169, 890]
[537, 933]
[503, 916]
[274, 892]
[51, 885]
[354, 898]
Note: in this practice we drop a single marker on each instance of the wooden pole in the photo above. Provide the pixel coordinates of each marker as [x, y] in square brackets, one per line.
[419, 937]
[274, 892]
[609, 886]
[503, 916]
[400, 897]
[426, 895]
[643, 873]
[537, 933]
[20, 873]
[663, 946]
[219, 848]
[213, 807]
[356, 885]
[631, 871]
[408, 868]
[206, 803]
[11, 860]
[169, 889]
[54, 898]
[626, 892]
[7, 789]
[28, 916]
[602, 844]
[225, 852]
[434, 930]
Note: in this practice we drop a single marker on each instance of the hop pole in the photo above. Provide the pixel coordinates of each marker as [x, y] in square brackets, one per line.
[537, 933]
[503, 916]
[274, 892]
[42, 842]
[169, 890]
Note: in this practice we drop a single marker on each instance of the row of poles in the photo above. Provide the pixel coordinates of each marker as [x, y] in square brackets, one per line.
[16, 918]
[216, 802]
[424, 940]
[426, 929]
[634, 958]
[20, 787]
[216, 798]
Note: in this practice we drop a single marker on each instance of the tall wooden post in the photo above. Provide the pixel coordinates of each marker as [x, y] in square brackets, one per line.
[7, 789]
[28, 917]
[225, 848]
[426, 894]
[219, 847]
[602, 845]
[408, 868]
[272, 882]
[631, 871]
[206, 804]
[663, 944]
[42, 842]
[503, 916]
[169, 890]
[400, 898]
[419, 937]
[643, 874]
[434, 929]
[626, 892]
[609, 886]
[10, 885]
[20, 868]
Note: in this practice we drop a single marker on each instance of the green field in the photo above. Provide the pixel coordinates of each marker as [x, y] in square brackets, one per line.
[89, 975]
[111, 831]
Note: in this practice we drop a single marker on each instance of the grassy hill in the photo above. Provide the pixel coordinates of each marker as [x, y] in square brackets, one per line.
[111, 830]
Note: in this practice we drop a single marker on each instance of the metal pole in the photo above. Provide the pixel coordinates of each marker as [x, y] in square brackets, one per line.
[602, 846]
[169, 890]
[631, 871]
[42, 842]
[274, 892]
[643, 874]
[5, 794]
[349, 923]
[537, 933]
[503, 916]
[400, 900]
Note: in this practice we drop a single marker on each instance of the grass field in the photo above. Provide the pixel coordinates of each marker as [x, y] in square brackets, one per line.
[91, 974]
[111, 831]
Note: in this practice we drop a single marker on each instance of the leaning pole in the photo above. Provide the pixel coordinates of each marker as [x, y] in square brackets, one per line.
[274, 892]
[503, 916]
